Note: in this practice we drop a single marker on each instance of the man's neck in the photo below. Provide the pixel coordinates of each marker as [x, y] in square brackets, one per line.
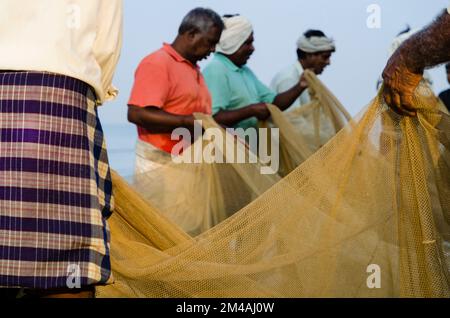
[231, 60]
[180, 47]
[303, 64]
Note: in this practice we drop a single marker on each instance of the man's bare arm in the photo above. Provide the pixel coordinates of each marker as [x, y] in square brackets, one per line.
[157, 121]
[430, 46]
[404, 70]
[287, 98]
[230, 118]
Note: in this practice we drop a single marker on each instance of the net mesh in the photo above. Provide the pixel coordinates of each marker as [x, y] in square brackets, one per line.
[322, 118]
[306, 129]
[203, 190]
[374, 197]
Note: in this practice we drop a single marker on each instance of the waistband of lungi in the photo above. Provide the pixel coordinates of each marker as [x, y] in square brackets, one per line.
[45, 79]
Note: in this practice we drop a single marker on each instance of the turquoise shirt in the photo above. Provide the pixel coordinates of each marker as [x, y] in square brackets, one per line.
[233, 87]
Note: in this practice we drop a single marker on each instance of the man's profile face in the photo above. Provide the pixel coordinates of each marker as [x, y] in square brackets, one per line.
[241, 56]
[204, 43]
[319, 61]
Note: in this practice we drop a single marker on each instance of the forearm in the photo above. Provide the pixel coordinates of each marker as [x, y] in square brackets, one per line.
[428, 47]
[286, 99]
[157, 121]
[232, 117]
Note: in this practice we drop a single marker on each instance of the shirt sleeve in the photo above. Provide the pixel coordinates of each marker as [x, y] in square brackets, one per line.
[219, 88]
[151, 84]
[266, 95]
[108, 44]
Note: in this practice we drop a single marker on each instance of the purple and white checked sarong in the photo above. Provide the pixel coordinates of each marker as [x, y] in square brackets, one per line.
[55, 184]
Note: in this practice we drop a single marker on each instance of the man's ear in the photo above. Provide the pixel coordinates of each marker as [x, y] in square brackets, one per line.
[307, 58]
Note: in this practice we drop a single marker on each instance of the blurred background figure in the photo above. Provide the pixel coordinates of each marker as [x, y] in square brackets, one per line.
[314, 50]
[396, 43]
[169, 88]
[405, 69]
[238, 97]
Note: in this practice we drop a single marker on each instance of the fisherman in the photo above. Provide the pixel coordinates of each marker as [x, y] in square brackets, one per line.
[405, 68]
[169, 88]
[57, 60]
[238, 97]
[314, 50]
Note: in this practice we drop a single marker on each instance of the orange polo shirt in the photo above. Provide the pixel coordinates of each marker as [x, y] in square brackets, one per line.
[166, 80]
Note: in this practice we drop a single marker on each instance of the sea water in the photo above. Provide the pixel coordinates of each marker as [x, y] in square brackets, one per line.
[121, 142]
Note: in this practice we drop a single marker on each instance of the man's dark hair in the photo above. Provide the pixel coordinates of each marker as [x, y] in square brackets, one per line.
[408, 28]
[200, 20]
[311, 33]
[308, 34]
[231, 15]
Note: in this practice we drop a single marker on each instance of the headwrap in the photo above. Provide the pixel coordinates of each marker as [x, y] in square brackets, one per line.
[237, 31]
[400, 39]
[315, 44]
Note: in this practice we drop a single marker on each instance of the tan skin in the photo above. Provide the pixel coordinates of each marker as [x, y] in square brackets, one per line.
[316, 62]
[405, 68]
[194, 46]
[260, 111]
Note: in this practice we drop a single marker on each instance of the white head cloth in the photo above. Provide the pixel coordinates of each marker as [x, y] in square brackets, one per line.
[315, 44]
[237, 31]
[400, 39]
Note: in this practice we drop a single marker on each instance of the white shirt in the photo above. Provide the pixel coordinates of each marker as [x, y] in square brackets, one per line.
[286, 79]
[77, 38]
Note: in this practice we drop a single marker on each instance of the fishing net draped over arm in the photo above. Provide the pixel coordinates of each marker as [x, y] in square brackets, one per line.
[375, 196]
[306, 129]
[197, 195]
[204, 190]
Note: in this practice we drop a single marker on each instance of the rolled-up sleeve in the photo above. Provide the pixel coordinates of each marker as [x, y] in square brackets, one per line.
[108, 44]
[266, 95]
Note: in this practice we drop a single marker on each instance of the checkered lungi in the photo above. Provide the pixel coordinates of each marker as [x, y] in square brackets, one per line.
[55, 184]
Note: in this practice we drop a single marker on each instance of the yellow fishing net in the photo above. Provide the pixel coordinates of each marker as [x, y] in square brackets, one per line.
[203, 190]
[374, 198]
[308, 128]
[198, 194]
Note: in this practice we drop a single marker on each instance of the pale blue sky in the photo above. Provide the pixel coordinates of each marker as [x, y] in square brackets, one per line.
[360, 57]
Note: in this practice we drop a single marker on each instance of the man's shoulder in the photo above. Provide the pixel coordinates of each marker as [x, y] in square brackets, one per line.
[247, 70]
[215, 66]
[158, 57]
[288, 73]
[445, 97]
[445, 94]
